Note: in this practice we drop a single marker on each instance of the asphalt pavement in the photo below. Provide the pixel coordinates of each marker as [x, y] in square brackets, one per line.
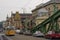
[24, 37]
[3, 37]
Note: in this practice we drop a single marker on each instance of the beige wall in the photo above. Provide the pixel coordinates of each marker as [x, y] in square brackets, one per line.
[51, 7]
[58, 6]
[40, 19]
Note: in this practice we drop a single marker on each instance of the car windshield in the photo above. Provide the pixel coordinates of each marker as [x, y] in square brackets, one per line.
[50, 32]
[10, 28]
[37, 32]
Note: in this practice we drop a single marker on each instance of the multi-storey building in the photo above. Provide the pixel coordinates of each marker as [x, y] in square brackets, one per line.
[18, 20]
[43, 11]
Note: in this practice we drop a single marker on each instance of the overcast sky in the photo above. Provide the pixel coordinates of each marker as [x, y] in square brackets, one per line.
[6, 6]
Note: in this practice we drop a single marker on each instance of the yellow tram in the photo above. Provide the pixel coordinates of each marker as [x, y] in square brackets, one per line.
[10, 31]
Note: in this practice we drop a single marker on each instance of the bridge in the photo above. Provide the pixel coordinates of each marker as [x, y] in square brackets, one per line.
[52, 23]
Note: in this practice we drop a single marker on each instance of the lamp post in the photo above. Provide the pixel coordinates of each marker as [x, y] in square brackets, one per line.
[26, 21]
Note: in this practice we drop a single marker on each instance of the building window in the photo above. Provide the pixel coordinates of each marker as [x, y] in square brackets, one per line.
[42, 14]
[48, 9]
[57, 7]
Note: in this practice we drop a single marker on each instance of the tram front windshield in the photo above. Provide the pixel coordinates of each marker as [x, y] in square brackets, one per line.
[10, 28]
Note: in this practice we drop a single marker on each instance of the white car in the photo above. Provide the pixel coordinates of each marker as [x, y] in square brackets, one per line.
[38, 34]
[17, 31]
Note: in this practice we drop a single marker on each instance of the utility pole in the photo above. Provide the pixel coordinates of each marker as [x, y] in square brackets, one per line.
[26, 21]
[23, 10]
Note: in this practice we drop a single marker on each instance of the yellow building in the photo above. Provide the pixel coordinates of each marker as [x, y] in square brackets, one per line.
[17, 19]
[44, 10]
[14, 20]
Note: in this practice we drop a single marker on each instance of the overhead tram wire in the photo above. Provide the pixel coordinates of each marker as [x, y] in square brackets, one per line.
[27, 3]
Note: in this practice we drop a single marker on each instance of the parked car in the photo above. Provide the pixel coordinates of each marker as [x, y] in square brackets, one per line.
[52, 34]
[27, 33]
[38, 34]
[1, 30]
[48, 34]
[21, 32]
[17, 31]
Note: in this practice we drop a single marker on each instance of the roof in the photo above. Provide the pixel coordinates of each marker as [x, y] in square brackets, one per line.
[45, 4]
[42, 10]
[56, 1]
[23, 14]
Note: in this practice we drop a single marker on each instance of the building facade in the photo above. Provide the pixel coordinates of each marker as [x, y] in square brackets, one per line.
[45, 10]
[18, 20]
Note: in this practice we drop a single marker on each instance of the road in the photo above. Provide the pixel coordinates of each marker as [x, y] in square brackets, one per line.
[3, 37]
[24, 37]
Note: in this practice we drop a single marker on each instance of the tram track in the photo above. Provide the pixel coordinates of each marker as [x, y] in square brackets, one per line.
[3, 37]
